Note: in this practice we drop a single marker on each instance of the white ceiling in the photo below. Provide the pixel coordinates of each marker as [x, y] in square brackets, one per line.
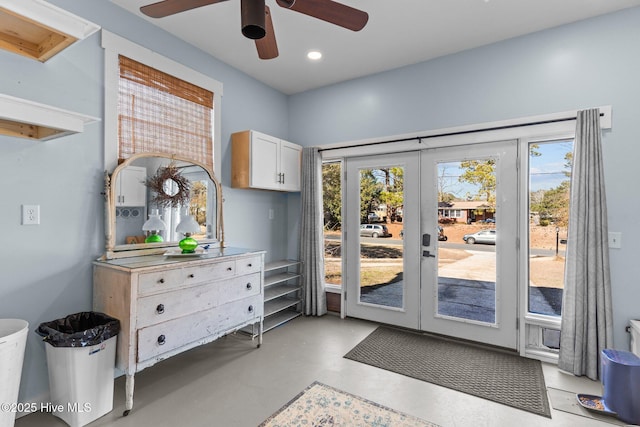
[399, 33]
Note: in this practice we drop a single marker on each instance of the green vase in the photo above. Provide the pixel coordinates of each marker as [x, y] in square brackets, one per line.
[188, 245]
[153, 238]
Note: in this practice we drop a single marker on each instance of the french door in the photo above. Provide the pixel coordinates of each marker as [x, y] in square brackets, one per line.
[469, 287]
[453, 270]
[383, 271]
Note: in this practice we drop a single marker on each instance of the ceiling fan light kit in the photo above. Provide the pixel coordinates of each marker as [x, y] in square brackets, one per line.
[252, 14]
[256, 17]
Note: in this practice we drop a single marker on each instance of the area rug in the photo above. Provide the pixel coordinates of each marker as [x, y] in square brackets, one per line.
[322, 405]
[494, 375]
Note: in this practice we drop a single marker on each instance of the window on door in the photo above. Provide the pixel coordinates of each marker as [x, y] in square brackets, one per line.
[466, 288]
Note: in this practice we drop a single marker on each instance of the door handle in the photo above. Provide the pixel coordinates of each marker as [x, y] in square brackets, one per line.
[426, 239]
[427, 254]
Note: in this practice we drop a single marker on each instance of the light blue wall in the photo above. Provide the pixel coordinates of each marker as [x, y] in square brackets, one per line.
[587, 64]
[45, 270]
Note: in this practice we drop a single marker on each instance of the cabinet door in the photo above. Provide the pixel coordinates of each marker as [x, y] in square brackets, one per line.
[265, 161]
[131, 188]
[290, 163]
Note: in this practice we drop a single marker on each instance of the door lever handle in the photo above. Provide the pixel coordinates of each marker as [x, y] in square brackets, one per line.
[427, 254]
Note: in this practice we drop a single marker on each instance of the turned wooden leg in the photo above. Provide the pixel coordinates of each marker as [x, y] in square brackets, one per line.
[128, 400]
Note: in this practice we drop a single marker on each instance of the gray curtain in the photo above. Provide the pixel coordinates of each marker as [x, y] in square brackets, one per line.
[586, 309]
[311, 237]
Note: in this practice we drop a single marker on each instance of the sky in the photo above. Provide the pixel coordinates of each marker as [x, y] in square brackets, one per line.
[546, 170]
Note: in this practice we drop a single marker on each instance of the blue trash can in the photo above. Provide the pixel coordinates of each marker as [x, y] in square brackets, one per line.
[621, 383]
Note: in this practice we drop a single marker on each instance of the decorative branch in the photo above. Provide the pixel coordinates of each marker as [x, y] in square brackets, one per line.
[157, 184]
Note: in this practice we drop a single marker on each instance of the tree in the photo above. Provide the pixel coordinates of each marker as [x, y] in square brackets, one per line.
[332, 195]
[370, 189]
[568, 163]
[482, 174]
[445, 183]
[198, 203]
[555, 204]
[392, 194]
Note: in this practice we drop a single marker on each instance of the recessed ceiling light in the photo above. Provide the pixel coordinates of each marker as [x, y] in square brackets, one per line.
[314, 55]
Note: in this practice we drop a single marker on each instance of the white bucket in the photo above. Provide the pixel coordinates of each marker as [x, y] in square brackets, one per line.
[81, 381]
[635, 337]
[13, 339]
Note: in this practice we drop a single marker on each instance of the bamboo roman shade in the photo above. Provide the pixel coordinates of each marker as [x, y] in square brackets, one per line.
[160, 113]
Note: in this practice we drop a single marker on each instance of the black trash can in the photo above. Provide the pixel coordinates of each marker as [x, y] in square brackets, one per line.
[81, 350]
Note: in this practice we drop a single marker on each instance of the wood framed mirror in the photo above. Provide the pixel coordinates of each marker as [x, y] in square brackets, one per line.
[155, 183]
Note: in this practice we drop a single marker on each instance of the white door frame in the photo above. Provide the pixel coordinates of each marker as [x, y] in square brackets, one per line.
[419, 309]
[409, 314]
[503, 332]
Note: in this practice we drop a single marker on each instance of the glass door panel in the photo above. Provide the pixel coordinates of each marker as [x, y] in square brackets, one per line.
[549, 184]
[332, 210]
[382, 234]
[469, 274]
[467, 213]
[381, 249]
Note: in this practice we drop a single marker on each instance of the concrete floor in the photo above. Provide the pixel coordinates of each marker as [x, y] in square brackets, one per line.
[230, 383]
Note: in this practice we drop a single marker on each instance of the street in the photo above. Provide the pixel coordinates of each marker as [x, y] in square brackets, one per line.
[393, 241]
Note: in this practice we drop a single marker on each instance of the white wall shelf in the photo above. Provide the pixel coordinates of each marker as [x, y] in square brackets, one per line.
[27, 119]
[282, 294]
[39, 30]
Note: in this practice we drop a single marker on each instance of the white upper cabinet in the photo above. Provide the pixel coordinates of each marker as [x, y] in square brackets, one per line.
[132, 190]
[264, 162]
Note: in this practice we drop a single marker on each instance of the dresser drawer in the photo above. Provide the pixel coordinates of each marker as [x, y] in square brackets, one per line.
[249, 265]
[171, 305]
[162, 281]
[173, 334]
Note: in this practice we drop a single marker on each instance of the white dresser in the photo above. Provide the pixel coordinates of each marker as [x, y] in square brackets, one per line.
[167, 305]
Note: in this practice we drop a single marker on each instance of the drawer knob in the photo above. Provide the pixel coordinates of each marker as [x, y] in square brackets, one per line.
[160, 309]
[249, 265]
[249, 286]
[161, 281]
[250, 309]
[161, 340]
[229, 268]
[191, 276]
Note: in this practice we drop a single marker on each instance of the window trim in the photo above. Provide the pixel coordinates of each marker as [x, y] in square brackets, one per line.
[115, 45]
[540, 127]
[532, 322]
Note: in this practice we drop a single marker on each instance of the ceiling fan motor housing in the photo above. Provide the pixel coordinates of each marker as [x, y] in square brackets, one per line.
[253, 18]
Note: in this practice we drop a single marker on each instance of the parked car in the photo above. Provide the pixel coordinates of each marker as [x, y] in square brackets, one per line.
[488, 221]
[482, 236]
[374, 230]
[373, 217]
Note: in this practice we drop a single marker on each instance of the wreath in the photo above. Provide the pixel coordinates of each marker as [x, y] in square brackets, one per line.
[166, 178]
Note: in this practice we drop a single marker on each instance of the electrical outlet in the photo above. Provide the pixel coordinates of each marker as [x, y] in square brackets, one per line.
[30, 214]
[615, 240]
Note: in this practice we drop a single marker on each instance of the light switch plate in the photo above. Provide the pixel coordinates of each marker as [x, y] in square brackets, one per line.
[615, 240]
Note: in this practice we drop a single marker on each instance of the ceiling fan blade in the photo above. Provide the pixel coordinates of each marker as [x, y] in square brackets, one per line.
[329, 11]
[267, 47]
[170, 7]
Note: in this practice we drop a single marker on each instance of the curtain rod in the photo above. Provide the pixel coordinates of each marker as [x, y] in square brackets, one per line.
[462, 132]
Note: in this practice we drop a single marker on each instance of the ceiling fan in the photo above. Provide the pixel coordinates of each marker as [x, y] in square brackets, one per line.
[256, 17]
